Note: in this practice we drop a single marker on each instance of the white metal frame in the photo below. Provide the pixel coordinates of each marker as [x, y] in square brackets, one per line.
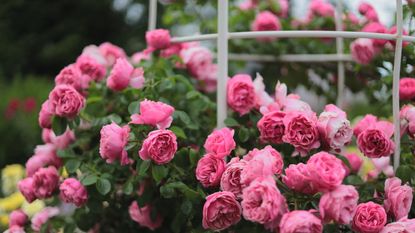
[223, 56]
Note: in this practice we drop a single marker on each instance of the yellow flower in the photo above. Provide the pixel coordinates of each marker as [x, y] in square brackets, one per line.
[4, 220]
[64, 173]
[11, 202]
[32, 208]
[10, 175]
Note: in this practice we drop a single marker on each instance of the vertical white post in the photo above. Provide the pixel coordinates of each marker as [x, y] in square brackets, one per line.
[339, 48]
[152, 15]
[395, 88]
[222, 62]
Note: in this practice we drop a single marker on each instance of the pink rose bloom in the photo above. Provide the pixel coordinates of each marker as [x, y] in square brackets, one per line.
[111, 52]
[407, 88]
[17, 218]
[407, 117]
[45, 155]
[171, 50]
[365, 7]
[297, 177]
[326, 171]
[271, 127]
[368, 121]
[154, 113]
[137, 78]
[262, 97]
[137, 57]
[45, 115]
[375, 141]
[65, 101]
[220, 211]
[368, 11]
[369, 217]
[376, 27]
[231, 177]
[241, 94]
[259, 166]
[355, 162]
[372, 16]
[283, 8]
[72, 75]
[339, 204]
[196, 58]
[91, 67]
[72, 191]
[43, 216]
[207, 76]
[300, 221]
[352, 18]
[209, 170]
[262, 202]
[64, 140]
[248, 5]
[398, 198]
[159, 146]
[15, 229]
[362, 50]
[45, 182]
[334, 128]
[220, 142]
[301, 131]
[158, 38]
[266, 21]
[401, 226]
[26, 188]
[321, 8]
[119, 77]
[142, 215]
[381, 164]
[263, 156]
[112, 144]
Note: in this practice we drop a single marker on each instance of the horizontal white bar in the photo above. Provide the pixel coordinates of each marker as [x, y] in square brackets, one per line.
[194, 38]
[292, 57]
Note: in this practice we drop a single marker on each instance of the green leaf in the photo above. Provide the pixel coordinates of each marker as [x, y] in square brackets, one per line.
[344, 160]
[69, 228]
[354, 180]
[67, 153]
[134, 107]
[192, 94]
[182, 116]
[128, 188]
[231, 122]
[166, 84]
[59, 125]
[186, 207]
[89, 179]
[178, 132]
[243, 134]
[103, 186]
[144, 167]
[193, 157]
[404, 172]
[177, 223]
[115, 118]
[72, 165]
[159, 172]
[184, 189]
[167, 191]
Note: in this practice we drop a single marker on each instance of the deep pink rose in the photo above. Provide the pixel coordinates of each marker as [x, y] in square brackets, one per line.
[43, 216]
[393, 30]
[158, 38]
[369, 217]
[209, 170]
[271, 127]
[72, 75]
[300, 221]
[266, 21]
[120, 75]
[297, 177]
[339, 204]
[231, 178]
[407, 88]
[326, 171]
[45, 115]
[368, 11]
[45, 155]
[401, 226]
[301, 131]
[154, 113]
[112, 144]
[376, 27]
[398, 198]
[26, 188]
[111, 52]
[334, 128]
[45, 182]
[407, 117]
[72, 191]
[368, 121]
[17, 218]
[362, 50]
[65, 101]
[355, 162]
[241, 93]
[91, 67]
[262, 202]
[142, 215]
[375, 141]
[159, 146]
[220, 142]
[220, 211]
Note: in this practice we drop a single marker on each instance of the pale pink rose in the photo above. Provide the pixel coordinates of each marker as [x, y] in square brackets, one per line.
[368, 121]
[220, 142]
[171, 50]
[17, 218]
[321, 8]
[195, 58]
[401, 226]
[60, 142]
[231, 177]
[300, 221]
[112, 144]
[376, 27]
[65, 101]
[111, 52]
[220, 211]
[262, 202]
[297, 177]
[262, 97]
[271, 127]
[91, 67]
[137, 78]
[326, 171]
[45, 182]
[159, 146]
[407, 117]
[72, 191]
[277, 161]
[398, 198]
[207, 76]
[260, 164]
[381, 164]
[72, 75]
[369, 217]
[339, 204]
[142, 215]
[45, 155]
[241, 94]
[154, 113]
[137, 57]
[158, 38]
[94, 52]
[120, 75]
[45, 115]
[266, 21]
[290, 102]
[26, 188]
[362, 50]
[355, 162]
[352, 18]
[301, 131]
[375, 142]
[284, 8]
[209, 170]
[407, 88]
[15, 229]
[43, 216]
[334, 128]
[248, 5]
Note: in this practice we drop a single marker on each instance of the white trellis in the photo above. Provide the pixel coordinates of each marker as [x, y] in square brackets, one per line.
[223, 56]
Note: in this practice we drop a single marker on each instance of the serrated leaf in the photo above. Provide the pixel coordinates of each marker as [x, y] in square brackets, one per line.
[103, 186]
[72, 165]
[178, 132]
